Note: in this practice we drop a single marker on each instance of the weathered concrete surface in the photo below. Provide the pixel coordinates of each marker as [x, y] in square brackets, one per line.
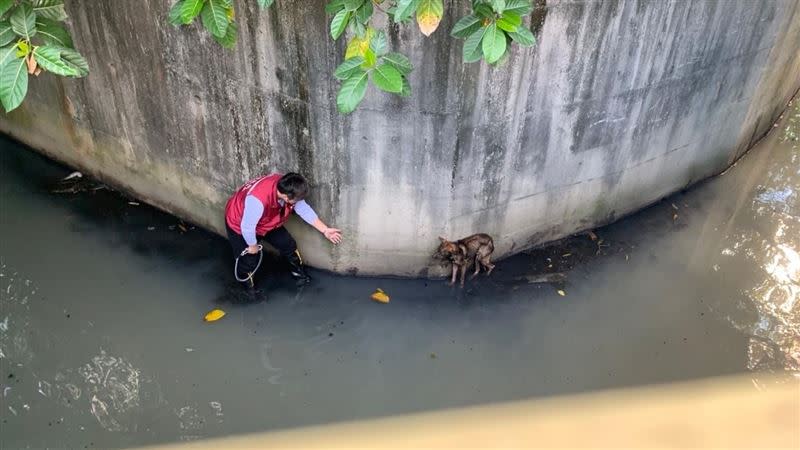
[619, 104]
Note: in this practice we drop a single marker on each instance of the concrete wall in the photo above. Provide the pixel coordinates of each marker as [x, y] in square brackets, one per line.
[619, 104]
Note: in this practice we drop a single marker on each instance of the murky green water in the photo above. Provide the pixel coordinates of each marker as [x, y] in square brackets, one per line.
[103, 343]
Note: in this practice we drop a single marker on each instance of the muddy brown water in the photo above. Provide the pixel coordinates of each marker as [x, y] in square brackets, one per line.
[103, 343]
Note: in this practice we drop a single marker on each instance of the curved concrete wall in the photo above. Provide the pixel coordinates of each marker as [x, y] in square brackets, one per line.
[619, 104]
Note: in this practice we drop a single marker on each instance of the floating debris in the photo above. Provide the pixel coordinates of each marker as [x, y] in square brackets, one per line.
[214, 315]
[380, 296]
[133, 203]
[558, 277]
[561, 292]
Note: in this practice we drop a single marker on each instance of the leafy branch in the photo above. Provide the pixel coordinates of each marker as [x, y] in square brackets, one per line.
[487, 31]
[32, 39]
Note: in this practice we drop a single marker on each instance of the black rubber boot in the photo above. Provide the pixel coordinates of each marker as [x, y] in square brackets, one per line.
[298, 270]
[252, 293]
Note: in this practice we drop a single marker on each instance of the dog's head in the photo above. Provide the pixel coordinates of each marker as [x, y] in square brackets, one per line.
[447, 249]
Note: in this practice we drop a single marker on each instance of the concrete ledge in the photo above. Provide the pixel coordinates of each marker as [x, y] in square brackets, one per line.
[736, 412]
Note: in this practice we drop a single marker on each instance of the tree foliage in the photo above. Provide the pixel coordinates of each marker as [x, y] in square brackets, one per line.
[487, 32]
[32, 39]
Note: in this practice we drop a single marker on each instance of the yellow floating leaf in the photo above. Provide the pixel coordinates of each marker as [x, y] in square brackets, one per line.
[213, 315]
[380, 296]
[561, 293]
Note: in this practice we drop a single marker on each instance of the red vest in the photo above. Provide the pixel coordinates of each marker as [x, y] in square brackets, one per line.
[265, 189]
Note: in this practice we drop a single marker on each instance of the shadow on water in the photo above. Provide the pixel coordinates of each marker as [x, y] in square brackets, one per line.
[103, 342]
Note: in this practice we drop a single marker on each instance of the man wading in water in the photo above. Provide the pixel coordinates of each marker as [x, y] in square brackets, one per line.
[258, 210]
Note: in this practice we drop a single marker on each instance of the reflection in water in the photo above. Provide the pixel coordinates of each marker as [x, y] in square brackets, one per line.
[113, 384]
[771, 248]
[107, 387]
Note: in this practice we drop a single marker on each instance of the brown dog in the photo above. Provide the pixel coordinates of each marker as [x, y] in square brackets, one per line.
[461, 254]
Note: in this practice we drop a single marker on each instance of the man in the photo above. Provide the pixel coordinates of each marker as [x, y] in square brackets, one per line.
[258, 210]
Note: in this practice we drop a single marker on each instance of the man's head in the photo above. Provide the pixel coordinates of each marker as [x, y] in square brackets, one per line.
[293, 186]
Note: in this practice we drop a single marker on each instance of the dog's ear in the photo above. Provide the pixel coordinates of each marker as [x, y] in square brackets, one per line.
[442, 239]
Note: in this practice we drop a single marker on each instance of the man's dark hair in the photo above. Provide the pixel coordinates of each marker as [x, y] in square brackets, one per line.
[293, 185]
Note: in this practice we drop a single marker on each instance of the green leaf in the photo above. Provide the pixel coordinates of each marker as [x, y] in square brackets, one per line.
[466, 26]
[352, 5]
[191, 9]
[6, 33]
[339, 23]
[334, 6]
[370, 58]
[364, 12]
[406, 92]
[23, 49]
[472, 46]
[509, 21]
[175, 13]
[348, 68]
[229, 40]
[505, 25]
[499, 6]
[49, 58]
[13, 83]
[494, 44]
[264, 4]
[75, 59]
[387, 78]
[405, 8]
[352, 92]
[5, 5]
[215, 18]
[50, 9]
[399, 62]
[484, 11]
[379, 44]
[523, 37]
[52, 32]
[521, 7]
[512, 18]
[7, 53]
[23, 20]
[357, 28]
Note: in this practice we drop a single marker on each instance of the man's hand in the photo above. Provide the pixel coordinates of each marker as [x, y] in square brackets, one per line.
[332, 234]
[253, 249]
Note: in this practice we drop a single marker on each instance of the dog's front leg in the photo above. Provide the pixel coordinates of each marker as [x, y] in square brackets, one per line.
[453, 278]
[463, 272]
